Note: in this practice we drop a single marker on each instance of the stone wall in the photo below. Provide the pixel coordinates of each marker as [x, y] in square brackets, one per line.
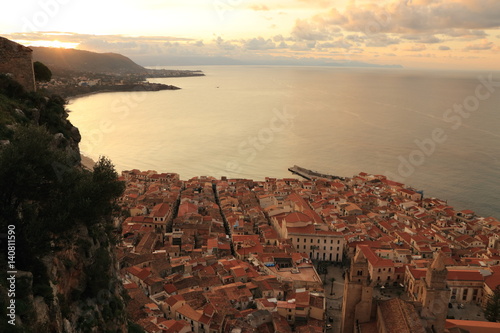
[17, 60]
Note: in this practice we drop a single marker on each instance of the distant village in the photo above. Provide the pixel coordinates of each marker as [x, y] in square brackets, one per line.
[360, 254]
[68, 83]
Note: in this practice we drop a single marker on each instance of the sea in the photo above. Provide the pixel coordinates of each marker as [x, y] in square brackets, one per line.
[437, 131]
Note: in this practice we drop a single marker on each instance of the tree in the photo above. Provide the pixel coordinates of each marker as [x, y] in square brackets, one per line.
[42, 72]
[492, 310]
[286, 289]
[314, 248]
[332, 280]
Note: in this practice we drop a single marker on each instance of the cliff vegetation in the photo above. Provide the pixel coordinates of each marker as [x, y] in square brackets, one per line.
[62, 215]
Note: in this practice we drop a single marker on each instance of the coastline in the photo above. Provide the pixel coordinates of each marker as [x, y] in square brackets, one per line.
[119, 88]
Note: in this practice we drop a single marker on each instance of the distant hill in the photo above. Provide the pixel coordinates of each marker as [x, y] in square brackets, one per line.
[58, 59]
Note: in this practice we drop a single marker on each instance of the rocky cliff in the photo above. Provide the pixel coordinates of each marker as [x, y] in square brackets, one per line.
[60, 215]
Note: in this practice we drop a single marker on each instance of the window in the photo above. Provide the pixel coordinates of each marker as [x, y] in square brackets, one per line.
[338, 248]
[298, 240]
[324, 248]
[331, 248]
[464, 297]
[304, 247]
[379, 270]
[474, 294]
[318, 241]
[389, 269]
[324, 241]
[338, 242]
[311, 240]
[331, 241]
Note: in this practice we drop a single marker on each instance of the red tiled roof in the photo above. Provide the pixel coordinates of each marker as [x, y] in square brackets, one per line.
[494, 279]
[187, 311]
[453, 275]
[474, 326]
[375, 260]
[160, 210]
[297, 217]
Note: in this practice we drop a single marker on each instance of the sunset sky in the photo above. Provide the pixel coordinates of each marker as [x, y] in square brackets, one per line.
[448, 34]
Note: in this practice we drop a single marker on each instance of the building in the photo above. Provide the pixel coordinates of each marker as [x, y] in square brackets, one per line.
[310, 236]
[435, 295]
[362, 313]
[357, 305]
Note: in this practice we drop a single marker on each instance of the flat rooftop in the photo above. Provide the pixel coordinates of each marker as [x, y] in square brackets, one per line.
[308, 274]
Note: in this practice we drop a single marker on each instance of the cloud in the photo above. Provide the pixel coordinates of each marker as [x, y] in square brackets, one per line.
[381, 40]
[224, 45]
[485, 45]
[465, 34]
[415, 48]
[418, 16]
[259, 7]
[199, 43]
[421, 19]
[425, 39]
[340, 43]
[309, 31]
[444, 48]
[259, 44]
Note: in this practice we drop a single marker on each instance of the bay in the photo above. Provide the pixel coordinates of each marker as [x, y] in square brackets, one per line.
[257, 121]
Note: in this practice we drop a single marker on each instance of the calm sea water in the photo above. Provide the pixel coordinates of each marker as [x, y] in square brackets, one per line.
[436, 131]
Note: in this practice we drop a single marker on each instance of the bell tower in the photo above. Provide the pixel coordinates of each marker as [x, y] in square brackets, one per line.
[358, 294]
[435, 295]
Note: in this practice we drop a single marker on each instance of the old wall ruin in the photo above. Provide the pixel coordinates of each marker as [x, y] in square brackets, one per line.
[16, 60]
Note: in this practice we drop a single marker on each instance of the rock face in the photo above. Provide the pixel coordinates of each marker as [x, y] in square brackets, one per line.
[17, 60]
[80, 291]
[73, 304]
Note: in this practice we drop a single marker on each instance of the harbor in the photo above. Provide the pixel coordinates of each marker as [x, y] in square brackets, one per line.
[310, 174]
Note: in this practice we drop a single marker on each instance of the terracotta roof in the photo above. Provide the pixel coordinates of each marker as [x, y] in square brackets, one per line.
[494, 279]
[453, 275]
[297, 217]
[474, 326]
[172, 300]
[375, 260]
[188, 312]
[400, 316]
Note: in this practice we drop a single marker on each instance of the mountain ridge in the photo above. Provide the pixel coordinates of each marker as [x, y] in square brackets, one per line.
[59, 59]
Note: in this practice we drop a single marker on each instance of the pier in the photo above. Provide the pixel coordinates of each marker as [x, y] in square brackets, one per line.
[309, 174]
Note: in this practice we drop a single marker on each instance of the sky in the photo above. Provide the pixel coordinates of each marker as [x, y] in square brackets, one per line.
[434, 34]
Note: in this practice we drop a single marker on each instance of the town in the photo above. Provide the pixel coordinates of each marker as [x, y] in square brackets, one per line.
[323, 254]
[69, 83]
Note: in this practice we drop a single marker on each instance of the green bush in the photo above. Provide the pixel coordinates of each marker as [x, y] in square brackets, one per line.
[42, 72]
